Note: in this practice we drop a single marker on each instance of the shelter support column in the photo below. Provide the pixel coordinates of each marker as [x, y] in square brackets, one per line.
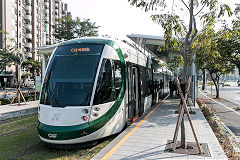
[43, 66]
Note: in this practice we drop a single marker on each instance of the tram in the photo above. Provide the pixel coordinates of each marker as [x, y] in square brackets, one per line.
[93, 88]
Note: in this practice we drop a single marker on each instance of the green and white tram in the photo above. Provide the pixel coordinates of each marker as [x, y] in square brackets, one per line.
[93, 87]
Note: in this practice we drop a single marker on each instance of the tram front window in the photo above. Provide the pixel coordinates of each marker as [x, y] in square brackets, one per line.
[70, 77]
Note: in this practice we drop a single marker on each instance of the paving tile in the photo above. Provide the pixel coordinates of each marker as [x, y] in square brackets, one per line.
[148, 141]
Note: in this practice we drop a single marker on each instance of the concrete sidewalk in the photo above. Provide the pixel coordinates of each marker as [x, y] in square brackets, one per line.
[14, 110]
[147, 139]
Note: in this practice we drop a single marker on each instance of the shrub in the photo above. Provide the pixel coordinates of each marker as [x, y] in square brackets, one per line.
[4, 101]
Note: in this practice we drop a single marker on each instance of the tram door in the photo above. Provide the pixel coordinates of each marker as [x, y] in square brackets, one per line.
[135, 90]
[133, 93]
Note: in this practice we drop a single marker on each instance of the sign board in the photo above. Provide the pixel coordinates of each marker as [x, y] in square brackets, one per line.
[5, 79]
[38, 83]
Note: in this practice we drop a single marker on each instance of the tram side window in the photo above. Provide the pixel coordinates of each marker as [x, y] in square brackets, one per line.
[118, 76]
[150, 85]
[130, 84]
[105, 91]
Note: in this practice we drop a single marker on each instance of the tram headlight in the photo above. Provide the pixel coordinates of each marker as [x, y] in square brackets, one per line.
[85, 118]
[85, 111]
[95, 114]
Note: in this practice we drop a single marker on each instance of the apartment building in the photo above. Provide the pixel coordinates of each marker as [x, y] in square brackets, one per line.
[27, 24]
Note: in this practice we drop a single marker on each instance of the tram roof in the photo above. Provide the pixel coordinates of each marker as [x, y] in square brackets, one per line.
[149, 42]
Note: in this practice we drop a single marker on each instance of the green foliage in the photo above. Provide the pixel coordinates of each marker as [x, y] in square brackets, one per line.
[210, 55]
[32, 64]
[68, 28]
[4, 101]
[174, 30]
[8, 57]
[28, 74]
[85, 28]
[228, 40]
[224, 8]
[64, 28]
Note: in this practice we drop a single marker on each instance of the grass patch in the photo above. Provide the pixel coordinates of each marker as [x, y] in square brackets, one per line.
[16, 143]
[56, 154]
[210, 83]
[17, 124]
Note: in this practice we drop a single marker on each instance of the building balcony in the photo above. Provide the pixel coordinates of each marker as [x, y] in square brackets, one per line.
[28, 7]
[28, 26]
[56, 6]
[46, 6]
[28, 35]
[28, 45]
[27, 16]
[46, 3]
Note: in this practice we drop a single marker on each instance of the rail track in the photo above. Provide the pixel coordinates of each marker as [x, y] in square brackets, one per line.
[28, 151]
[19, 140]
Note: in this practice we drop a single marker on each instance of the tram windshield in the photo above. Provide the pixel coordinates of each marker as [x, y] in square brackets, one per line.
[70, 76]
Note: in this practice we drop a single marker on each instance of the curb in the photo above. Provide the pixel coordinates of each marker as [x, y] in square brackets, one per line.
[234, 140]
[18, 113]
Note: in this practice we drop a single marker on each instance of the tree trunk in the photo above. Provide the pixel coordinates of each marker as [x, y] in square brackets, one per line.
[216, 83]
[217, 87]
[185, 65]
[217, 91]
[204, 80]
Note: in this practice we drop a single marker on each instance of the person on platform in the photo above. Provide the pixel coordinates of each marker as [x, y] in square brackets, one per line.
[171, 87]
[161, 86]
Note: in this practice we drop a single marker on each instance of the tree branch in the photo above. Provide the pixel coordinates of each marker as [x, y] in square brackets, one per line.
[195, 30]
[200, 9]
[186, 5]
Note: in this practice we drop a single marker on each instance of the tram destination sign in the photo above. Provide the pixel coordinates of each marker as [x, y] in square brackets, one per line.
[75, 50]
[80, 49]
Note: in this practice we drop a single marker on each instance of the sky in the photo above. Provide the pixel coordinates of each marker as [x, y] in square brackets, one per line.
[118, 18]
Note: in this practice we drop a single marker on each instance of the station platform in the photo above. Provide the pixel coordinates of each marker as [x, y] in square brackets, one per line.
[147, 137]
[15, 110]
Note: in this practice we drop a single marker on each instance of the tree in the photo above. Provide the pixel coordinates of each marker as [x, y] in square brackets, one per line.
[33, 65]
[230, 48]
[64, 28]
[209, 57]
[67, 28]
[171, 22]
[85, 28]
[194, 8]
[229, 42]
[7, 58]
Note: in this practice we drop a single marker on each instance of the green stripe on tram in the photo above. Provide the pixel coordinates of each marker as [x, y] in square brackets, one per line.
[77, 131]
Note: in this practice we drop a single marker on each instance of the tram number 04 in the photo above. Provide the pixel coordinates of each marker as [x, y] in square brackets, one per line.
[50, 135]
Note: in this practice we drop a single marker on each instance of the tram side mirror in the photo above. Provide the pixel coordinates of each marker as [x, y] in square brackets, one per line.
[125, 55]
